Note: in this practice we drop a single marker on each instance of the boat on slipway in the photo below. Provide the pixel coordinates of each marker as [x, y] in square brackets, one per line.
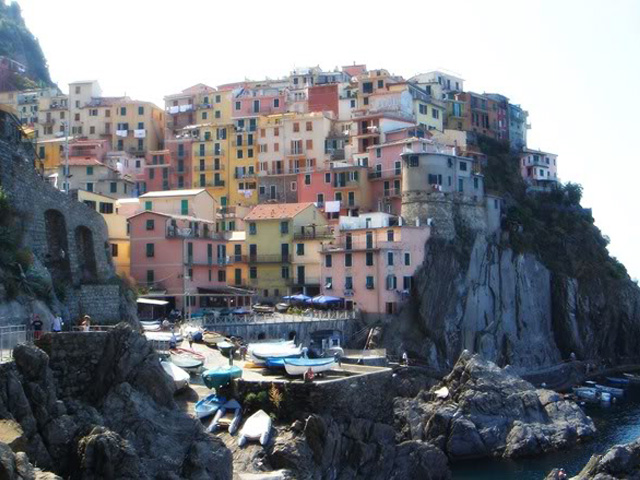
[179, 376]
[163, 336]
[211, 339]
[228, 416]
[209, 405]
[186, 360]
[257, 427]
[220, 376]
[258, 353]
[299, 366]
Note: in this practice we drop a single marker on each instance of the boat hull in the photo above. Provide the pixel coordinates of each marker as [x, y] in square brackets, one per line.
[180, 377]
[257, 427]
[296, 367]
[209, 405]
[219, 377]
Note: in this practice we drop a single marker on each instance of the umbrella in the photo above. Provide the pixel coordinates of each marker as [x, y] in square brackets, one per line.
[297, 298]
[325, 300]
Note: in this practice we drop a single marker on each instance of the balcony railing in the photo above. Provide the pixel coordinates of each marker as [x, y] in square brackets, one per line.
[209, 168]
[392, 192]
[336, 154]
[310, 233]
[359, 244]
[214, 183]
[375, 175]
[185, 232]
[244, 175]
[275, 258]
[307, 281]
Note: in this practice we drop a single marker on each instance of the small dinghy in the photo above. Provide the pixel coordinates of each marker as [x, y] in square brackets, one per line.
[150, 326]
[179, 376]
[618, 380]
[228, 416]
[257, 427]
[588, 393]
[163, 336]
[258, 353]
[225, 347]
[615, 392]
[189, 352]
[220, 376]
[186, 361]
[209, 405]
[211, 339]
[298, 366]
[633, 378]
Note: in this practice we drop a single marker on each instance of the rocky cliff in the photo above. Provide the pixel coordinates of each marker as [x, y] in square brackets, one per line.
[102, 407]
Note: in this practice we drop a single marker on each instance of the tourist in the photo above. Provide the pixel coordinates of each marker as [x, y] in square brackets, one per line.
[562, 475]
[56, 324]
[86, 323]
[36, 324]
[173, 343]
[190, 339]
[405, 359]
[308, 375]
[243, 352]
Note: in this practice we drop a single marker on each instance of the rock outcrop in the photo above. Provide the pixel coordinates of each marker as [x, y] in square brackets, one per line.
[489, 412]
[325, 448]
[620, 462]
[122, 422]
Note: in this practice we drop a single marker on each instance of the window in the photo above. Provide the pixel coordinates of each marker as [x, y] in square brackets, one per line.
[217, 114]
[422, 109]
[114, 250]
[348, 260]
[391, 282]
[113, 187]
[250, 153]
[253, 272]
[89, 187]
[476, 183]
[380, 83]
[328, 261]
[320, 199]
[407, 259]
[435, 113]
[184, 207]
[151, 224]
[328, 283]
[150, 277]
[307, 179]
[300, 249]
[460, 185]
[151, 250]
[222, 275]
[327, 178]
[238, 105]
[309, 126]
[284, 271]
[369, 259]
[89, 170]
[106, 207]
[92, 130]
[276, 132]
[218, 98]
[252, 228]
[390, 259]
[77, 90]
[407, 282]
[348, 283]
[276, 102]
[123, 111]
[463, 166]
[369, 282]
[294, 186]
[390, 236]
[309, 144]
[296, 127]
[204, 115]
[367, 87]
[148, 205]
[240, 155]
[284, 227]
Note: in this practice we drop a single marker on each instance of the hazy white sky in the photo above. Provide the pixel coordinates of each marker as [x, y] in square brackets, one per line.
[573, 64]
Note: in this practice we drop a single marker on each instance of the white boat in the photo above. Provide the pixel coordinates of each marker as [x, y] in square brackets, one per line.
[150, 326]
[588, 393]
[179, 376]
[299, 366]
[228, 415]
[258, 353]
[257, 427]
[163, 336]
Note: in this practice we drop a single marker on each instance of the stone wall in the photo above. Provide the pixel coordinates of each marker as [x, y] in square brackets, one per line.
[368, 396]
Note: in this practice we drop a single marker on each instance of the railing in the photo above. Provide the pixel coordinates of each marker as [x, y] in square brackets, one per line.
[307, 281]
[93, 328]
[359, 245]
[214, 183]
[337, 154]
[312, 234]
[10, 336]
[308, 316]
[244, 175]
[385, 174]
[392, 192]
[209, 168]
[178, 232]
[275, 258]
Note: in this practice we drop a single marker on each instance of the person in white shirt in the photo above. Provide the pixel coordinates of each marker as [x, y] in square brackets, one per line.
[56, 324]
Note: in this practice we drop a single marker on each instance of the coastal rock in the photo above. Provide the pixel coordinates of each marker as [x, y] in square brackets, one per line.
[104, 454]
[16, 466]
[490, 412]
[620, 462]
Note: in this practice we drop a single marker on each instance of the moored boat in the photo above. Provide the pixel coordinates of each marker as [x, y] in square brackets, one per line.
[228, 415]
[220, 376]
[209, 405]
[179, 376]
[298, 366]
[225, 347]
[588, 393]
[617, 380]
[186, 361]
[257, 427]
[274, 362]
[258, 353]
[633, 378]
[615, 392]
[163, 336]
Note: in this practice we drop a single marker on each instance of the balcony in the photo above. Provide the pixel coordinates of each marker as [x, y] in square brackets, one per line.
[211, 183]
[209, 168]
[336, 154]
[392, 192]
[385, 175]
[307, 281]
[346, 184]
[359, 245]
[275, 258]
[185, 232]
[241, 175]
[310, 233]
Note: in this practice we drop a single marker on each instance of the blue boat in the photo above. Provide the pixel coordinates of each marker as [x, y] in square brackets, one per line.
[221, 376]
[274, 362]
[618, 380]
[209, 405]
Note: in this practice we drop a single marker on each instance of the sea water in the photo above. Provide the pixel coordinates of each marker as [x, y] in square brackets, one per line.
[616, 423]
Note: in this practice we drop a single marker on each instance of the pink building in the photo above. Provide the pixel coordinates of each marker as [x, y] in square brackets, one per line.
[539, 169]
[371, 262]
[174, 254]
[89, 148]
[252, 102]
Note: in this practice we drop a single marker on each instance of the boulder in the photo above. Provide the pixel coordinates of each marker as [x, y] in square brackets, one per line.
[620, 462]
[492, 412]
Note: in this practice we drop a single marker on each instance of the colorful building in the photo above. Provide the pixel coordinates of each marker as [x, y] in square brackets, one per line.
[197, 203]
[539, 169]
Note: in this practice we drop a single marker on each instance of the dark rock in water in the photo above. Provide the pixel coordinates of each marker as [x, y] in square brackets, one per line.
[107, 413]
[620, 462]
[489, 412]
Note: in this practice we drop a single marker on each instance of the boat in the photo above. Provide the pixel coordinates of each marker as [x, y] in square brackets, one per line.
[209, 405]
[212, 338]
[588, 393]
[189, 352]
[228, 415]
[618, 380]
[262, 359]
[605, 397]
[633, 378]
[150, 326]
[258, 353]
[298, 366]
[225, 347]
[257, 427]
[442, 393]
[163, 336]
[179, 376]
[220, 376]
[263, 308]
[615, 392]
[188, 362]
[274, 362]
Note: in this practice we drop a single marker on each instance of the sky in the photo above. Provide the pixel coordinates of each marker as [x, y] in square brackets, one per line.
[573, 64]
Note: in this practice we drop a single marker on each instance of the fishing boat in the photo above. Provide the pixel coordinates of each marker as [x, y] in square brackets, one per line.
[298, 366]
[257, 427]
[588, 393]
[209, 405]
[220, 376]
[188, 352]
[179, 376]
[618, 380]
[228, 416]
[212, 338]
[615, 392]
[226, 347]
[163, 336]
[260, 352]
[274, 362]
[633, 378]
[186, 361]
[150, 326]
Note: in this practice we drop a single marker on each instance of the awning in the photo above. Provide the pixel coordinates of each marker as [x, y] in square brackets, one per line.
[151, 301]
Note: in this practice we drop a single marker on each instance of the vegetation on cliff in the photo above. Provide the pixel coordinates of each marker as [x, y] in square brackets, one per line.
[19, 44]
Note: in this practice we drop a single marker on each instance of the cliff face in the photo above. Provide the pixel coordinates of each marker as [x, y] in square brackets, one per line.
[513, 310]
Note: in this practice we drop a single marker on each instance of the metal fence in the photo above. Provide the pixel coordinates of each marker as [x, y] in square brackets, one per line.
[10, 336]
[311, 316]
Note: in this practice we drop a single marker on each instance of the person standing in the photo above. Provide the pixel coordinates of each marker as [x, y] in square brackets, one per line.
[86, 323]
[56, 324]
[36, 324]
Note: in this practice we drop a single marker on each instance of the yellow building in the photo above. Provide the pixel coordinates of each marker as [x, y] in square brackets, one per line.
[115, 216]
[52, 152]
[428, 112]
[270, 239]
[307, 257]
[237, 267]
[210, 161]
[138, 127]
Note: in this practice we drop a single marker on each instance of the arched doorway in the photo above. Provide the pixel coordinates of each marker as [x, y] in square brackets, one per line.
[86, 254]
[57, 256]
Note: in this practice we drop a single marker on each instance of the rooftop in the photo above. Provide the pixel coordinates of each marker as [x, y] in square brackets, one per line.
[173, 193]
[276, 211]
